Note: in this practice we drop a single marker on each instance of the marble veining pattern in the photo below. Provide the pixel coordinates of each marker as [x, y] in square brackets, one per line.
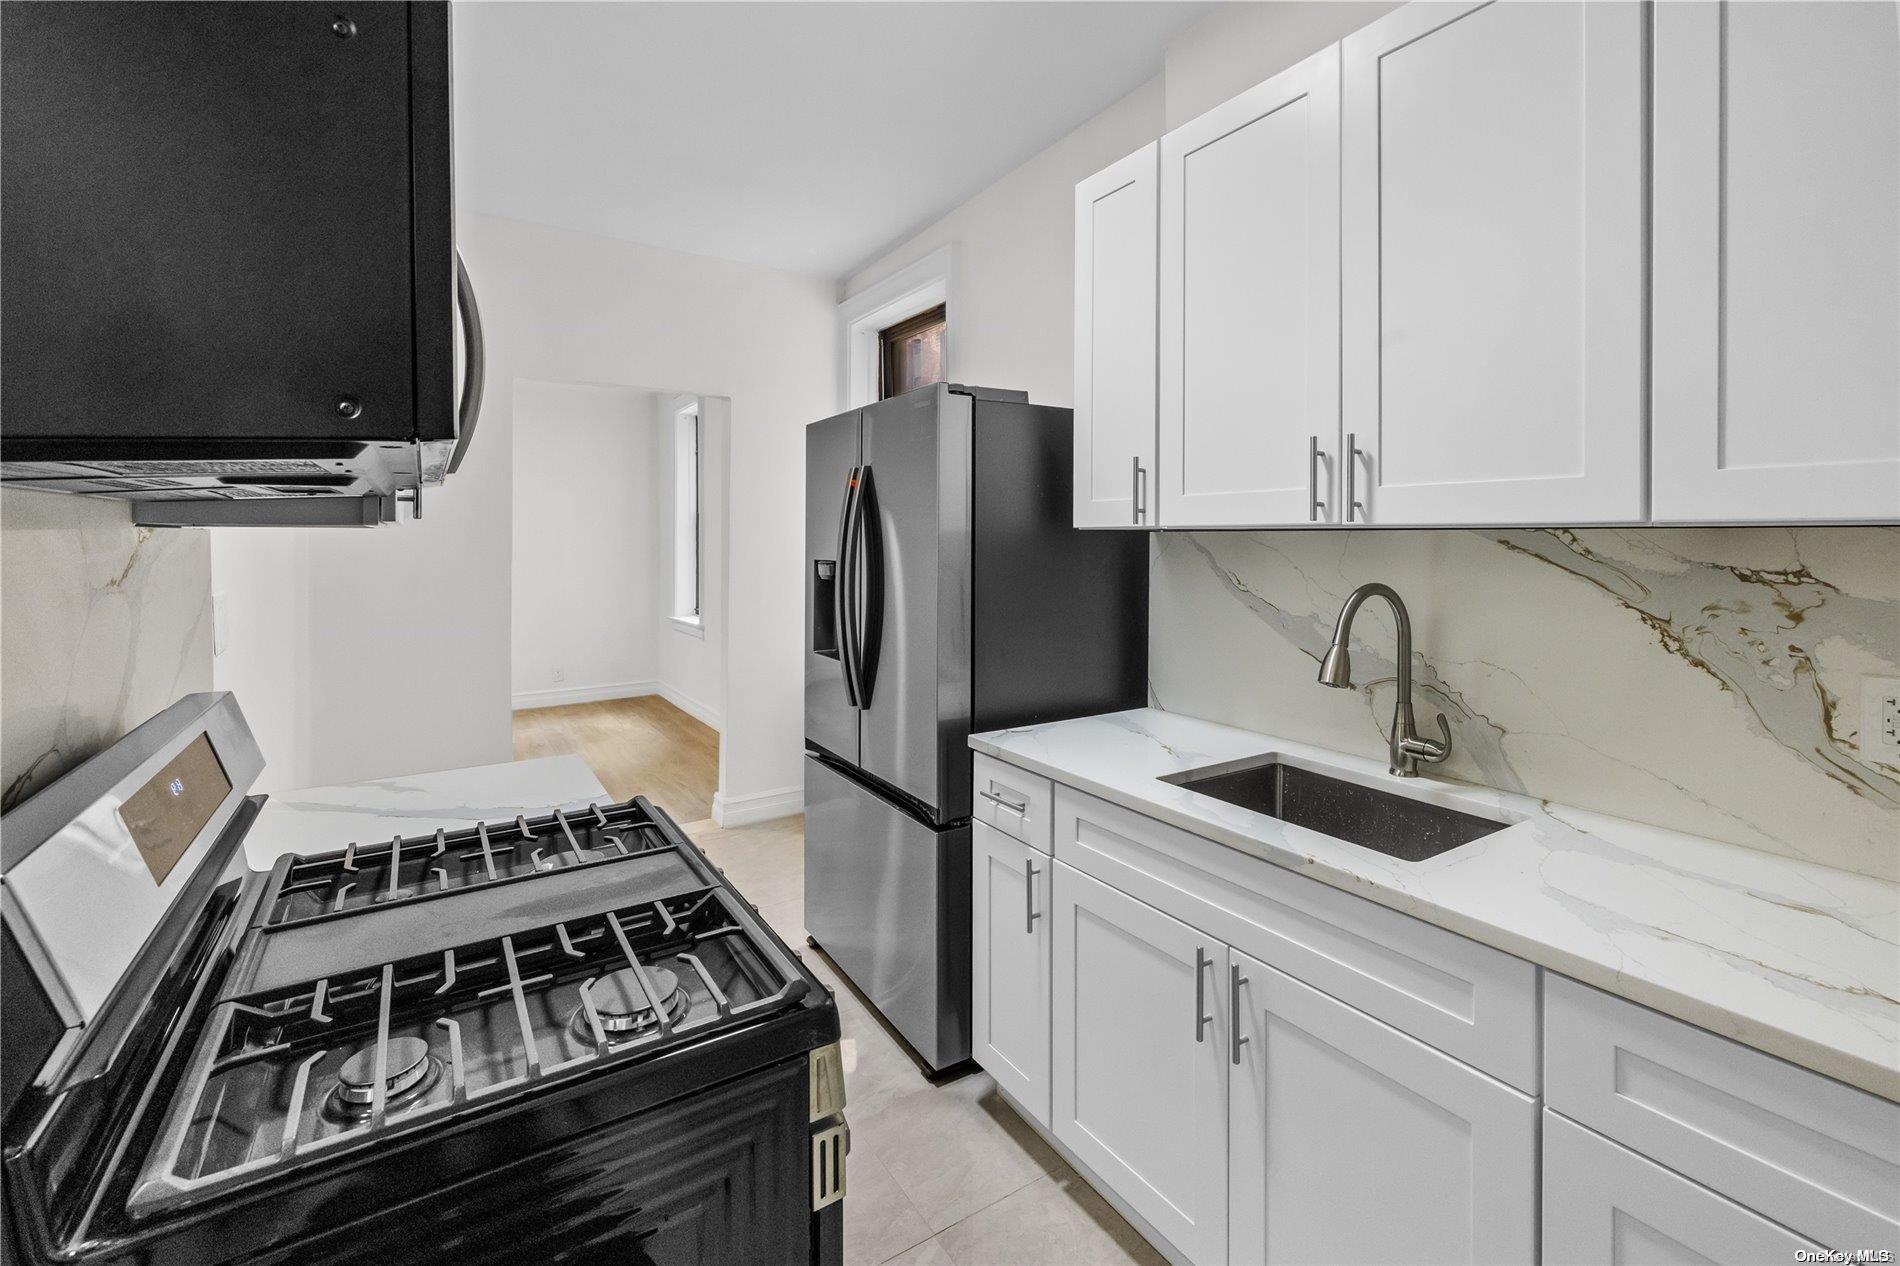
[1793, 958]
[102, 624]
[1707, 680]
[323, 819]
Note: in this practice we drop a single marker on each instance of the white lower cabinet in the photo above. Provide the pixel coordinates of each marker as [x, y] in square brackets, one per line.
[1330, 1108]
[1010, 975]
[1140, 1059]
[1350, 1142]
[1604, 1205]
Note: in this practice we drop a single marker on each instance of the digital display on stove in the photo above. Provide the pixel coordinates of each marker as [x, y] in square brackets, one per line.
[166, 814]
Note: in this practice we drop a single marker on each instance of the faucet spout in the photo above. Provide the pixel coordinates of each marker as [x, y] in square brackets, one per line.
[1406, 748]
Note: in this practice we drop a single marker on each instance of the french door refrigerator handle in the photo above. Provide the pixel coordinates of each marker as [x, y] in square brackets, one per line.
[843, 605]
[867, 559]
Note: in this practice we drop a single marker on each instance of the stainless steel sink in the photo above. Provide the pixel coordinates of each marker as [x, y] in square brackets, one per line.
[1398, 826]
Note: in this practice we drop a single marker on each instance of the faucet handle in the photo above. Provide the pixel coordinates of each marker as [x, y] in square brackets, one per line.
[1430, 751]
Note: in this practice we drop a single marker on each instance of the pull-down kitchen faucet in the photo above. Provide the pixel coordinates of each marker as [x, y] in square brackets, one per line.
[1406, 747]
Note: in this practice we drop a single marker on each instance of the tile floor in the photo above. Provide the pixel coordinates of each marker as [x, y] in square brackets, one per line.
[938, 1175]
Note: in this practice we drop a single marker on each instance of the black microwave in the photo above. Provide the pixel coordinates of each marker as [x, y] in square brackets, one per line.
[228, 258]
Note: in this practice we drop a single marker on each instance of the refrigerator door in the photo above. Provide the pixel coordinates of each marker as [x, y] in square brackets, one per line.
[831, 715]
[916, 449]
[888, 898]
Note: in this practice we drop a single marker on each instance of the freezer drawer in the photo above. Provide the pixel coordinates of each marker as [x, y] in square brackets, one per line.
[888, 898]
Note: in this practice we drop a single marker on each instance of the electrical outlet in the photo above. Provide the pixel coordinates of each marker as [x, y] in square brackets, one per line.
[560, 676]
[1880, 718]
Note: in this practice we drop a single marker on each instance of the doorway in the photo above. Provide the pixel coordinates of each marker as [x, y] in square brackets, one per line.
[618, 586]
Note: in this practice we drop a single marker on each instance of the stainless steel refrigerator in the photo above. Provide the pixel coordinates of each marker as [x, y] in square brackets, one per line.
[945, 593]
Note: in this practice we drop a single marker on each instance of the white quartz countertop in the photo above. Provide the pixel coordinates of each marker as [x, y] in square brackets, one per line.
[324, 819]
[1795, 959]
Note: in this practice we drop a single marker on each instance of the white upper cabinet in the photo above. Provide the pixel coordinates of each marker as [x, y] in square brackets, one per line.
[1249, 350]
[1777, 262]
[1115, 344]
[1492, 250]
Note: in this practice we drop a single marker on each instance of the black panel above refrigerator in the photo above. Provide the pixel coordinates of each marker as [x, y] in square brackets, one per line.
[229, 259]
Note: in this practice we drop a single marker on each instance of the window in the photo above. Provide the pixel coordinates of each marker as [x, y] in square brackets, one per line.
[686, 513]
[911, 353]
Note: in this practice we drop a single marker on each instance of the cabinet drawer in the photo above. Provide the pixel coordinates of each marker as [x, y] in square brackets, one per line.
[1606, 1206]
[1473, 1002]
[1817, 1156]
[1014, 801]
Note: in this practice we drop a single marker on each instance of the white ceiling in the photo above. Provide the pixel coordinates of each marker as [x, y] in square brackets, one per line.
[805, 136]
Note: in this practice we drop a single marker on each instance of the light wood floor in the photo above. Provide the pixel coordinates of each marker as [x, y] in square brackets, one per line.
[637, 747]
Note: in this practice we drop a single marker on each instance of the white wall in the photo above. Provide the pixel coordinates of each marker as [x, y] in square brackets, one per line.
[1011, 307]
[1238, 45]
[407, 665]
[692, 662]
[588, 572]
[569, 307]
[366, 653]
[1013, 320]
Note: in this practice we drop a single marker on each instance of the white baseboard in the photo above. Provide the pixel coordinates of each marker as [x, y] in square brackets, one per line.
[692, 707]
[760, 806]
[584, 694]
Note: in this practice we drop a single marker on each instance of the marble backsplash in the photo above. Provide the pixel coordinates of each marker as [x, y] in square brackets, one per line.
[102, 624]
[1703, 679]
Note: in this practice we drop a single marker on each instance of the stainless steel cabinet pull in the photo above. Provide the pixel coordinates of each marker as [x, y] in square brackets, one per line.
[1315, 504]
[1003, 802]
[1234, 981]
[1352, 463]
[1030, 871]
[1201, 1018]
[1139, 494]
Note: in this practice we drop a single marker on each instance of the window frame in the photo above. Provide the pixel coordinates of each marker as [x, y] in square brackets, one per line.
[891, 336]
[912, 289]
[688, 473]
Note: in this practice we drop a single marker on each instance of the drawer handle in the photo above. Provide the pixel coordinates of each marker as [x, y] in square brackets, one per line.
[1003, 802]
[1201, 1019]
[1234, 981]
[1030, 871]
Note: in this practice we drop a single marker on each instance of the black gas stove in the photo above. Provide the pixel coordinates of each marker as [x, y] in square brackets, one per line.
[564, 1036]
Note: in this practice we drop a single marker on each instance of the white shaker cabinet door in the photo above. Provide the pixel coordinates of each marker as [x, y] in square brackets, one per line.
[1777, 262]
[1010, 980]
[1115, 247]
[1352, 1142]
[1492, 191]
[1140, 1059]
[1604, 1205]
[1249, 359]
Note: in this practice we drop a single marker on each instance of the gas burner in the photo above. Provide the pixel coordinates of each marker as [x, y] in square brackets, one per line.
[411, 1071]
[622, 1005]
